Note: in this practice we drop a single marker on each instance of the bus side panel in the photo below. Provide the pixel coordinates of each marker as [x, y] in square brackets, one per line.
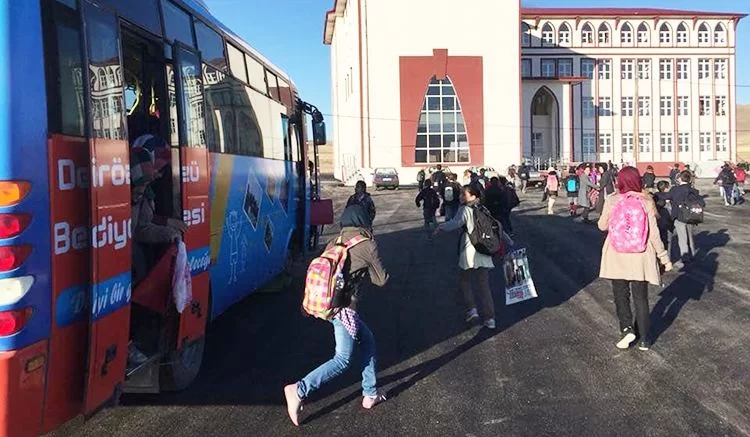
[22, 390]
[254, 213]
[196, 213]
[69, 222]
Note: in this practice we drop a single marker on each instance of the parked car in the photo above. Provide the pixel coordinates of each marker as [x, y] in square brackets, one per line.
[536, 177]
[385, 177]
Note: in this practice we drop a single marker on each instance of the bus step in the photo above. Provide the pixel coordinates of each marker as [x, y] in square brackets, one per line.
[143, 378]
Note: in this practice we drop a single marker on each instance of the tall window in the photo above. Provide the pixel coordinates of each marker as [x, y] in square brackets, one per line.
[720, 68]
[626, 68]
[587, 34]
[525, 67]
[643, 34]
[605, 106]
[682, 34]
[441, 132]
[644, 142]
[704, 141]
[683, 141]
[588, 146]
[665, 34]
[644, 69]
[605, 143]
[587, 107]
[627, 106]
[627, 143]
[548, 68]
[721, 141]
[704, 68]
[565, 67]
[626, 34]
[704, 105]
[587, 68]
[720, 34]
[683, 68]
[604, 34]
[666, 142]
[703, 34]
[644, 106]
[665, 69]
[665, 104]
[721, 106]
[525, 35]
[605, 69]
[563, 35]
[548, 35]
[683, 106]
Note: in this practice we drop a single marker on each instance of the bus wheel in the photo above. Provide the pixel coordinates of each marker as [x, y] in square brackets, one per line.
[182, 366]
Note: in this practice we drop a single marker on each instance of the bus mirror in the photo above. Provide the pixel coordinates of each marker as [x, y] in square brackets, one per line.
[319, 133]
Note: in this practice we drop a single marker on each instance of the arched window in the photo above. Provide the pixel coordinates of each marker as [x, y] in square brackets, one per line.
[548, 35]
[587, 34]
[720, 34]
[626, 34]
[603, 35]
[441, 132]
[703, 34]
[525, 35]
[643, 34]
[563, 35]
[682, 34]
[665, 34]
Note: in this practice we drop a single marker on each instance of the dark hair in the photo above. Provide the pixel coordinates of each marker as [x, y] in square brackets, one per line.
[473, 190]
[603, 166]
[650, 167]
[686, 176]
[662, 185]
[503, 180]
[361, 184]
[676, 165]
[629, 179]
[494, 180]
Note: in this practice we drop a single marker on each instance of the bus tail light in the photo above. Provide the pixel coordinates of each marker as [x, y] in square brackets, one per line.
[12, 192]
[14, 289]
[13, 321]
[11, 257]
[13, 224]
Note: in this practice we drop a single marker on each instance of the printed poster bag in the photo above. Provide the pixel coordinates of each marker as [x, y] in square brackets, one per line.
[519, 286]
[182, 286]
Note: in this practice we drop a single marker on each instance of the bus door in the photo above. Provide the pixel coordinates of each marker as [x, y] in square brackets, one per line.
[188, 95]
[109, 193]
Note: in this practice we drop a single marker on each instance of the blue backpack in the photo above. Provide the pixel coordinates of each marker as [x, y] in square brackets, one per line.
[572, 185]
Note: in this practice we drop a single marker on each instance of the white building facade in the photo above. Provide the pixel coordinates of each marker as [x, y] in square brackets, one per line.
[631, 86]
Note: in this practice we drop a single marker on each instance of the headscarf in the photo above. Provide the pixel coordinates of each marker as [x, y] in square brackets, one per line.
[144, 165]
[355, 216]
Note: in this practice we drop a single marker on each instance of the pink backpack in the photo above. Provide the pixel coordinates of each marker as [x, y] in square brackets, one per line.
[325, 277]
[552, 183]
[628, 225]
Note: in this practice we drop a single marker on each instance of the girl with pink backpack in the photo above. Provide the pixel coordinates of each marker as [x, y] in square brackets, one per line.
[631, 254]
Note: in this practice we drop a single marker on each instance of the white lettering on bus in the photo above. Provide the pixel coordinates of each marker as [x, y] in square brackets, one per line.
[200, 263]
[195, 216]
[70, 177]
[191, 172]
[108, 232]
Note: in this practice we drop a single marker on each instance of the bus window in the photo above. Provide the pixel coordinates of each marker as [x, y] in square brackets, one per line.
[177, 24]
[273, 86]
[287, 140]
[211, 46]
[105, 75]
[237, 62]
[257, 74]
[285, 93]
[143, 13]
[65, 109]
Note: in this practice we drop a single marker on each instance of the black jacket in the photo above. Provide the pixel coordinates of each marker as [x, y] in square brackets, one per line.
[679, 196]
[429, 199]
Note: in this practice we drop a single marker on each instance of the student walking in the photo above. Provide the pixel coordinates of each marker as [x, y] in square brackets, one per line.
[664, 214]
[649, 179]
[429, 200]
[451, 197]
[473, 265]
[630, 254]
[362, 197]
[686, 202]
[551, 188]
[350, 332]
[587, 186]
[572, 186]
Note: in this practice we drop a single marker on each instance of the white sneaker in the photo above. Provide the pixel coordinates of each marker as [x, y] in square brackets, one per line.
[490, 324]
[472, 315]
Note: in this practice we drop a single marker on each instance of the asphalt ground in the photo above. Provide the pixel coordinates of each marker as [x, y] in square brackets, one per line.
[550, 368]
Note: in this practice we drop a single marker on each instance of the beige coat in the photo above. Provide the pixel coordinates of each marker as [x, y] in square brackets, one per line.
[633, 266]
[468, 257]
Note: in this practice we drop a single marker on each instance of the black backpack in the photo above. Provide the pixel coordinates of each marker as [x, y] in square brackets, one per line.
[486, 236]
[690, 211]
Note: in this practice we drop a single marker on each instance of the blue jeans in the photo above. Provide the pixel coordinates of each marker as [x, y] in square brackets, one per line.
[450, 211]
[342, 360]
[430, 221]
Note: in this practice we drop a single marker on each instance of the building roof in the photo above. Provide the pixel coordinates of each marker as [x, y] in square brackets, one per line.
[339, 6]
[620, 12]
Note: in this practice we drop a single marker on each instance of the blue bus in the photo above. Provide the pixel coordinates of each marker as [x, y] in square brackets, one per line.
[82, 83]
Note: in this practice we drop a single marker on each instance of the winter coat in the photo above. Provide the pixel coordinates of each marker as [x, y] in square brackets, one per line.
[468, 257]
[583, 191]
[144, 228]
[365, 200]
[679, 196]
[633, 266]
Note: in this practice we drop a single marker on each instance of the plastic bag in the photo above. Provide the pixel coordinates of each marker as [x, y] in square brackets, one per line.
[182, 285]
[518, 283]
